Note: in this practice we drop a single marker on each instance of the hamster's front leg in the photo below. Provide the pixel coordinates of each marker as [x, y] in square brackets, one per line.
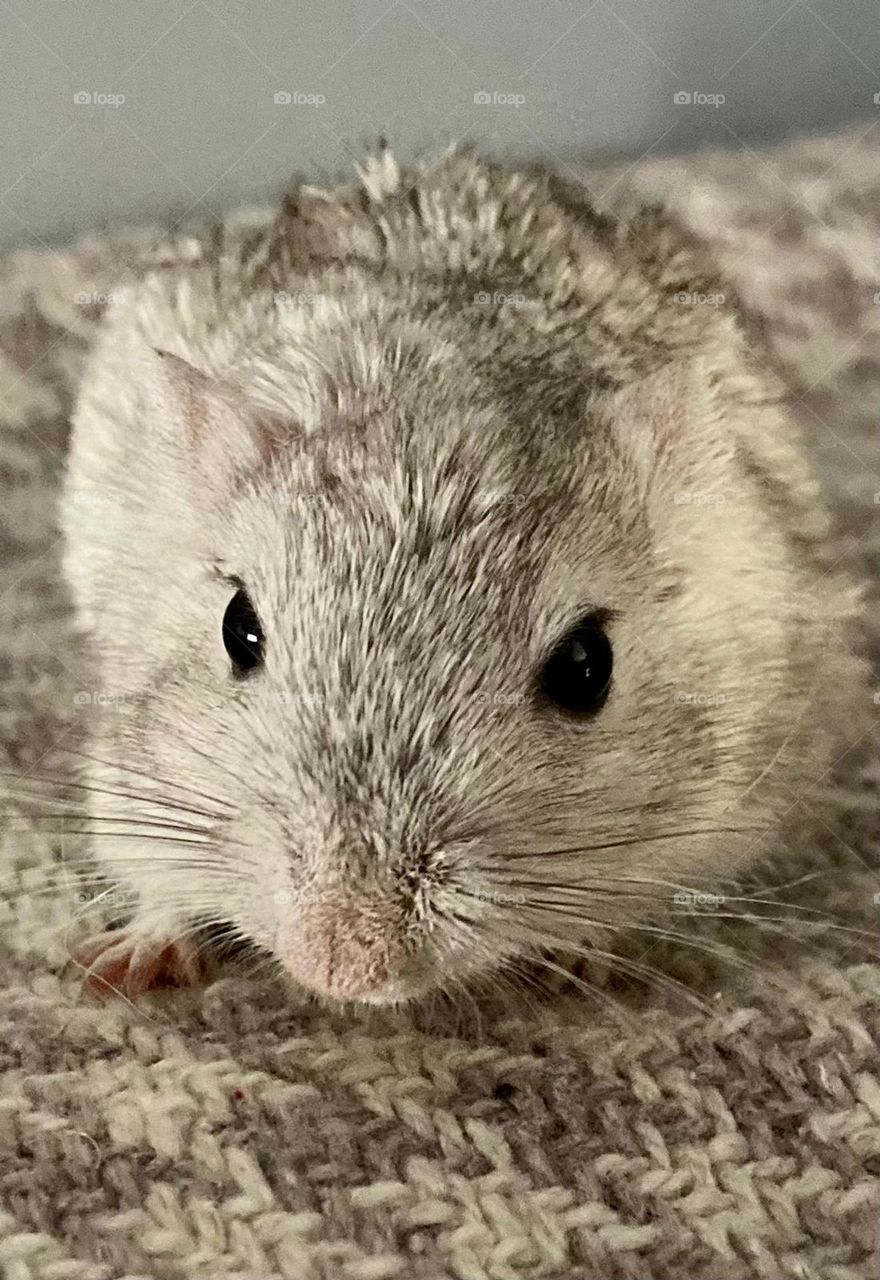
[122, 962]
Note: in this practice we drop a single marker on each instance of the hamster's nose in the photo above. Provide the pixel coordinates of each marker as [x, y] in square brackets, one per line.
[347, 948]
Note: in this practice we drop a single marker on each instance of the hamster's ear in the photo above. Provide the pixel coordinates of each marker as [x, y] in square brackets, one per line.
[665, 423]
[218, 435]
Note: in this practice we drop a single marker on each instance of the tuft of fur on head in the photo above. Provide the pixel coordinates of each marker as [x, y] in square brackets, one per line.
[430, 421]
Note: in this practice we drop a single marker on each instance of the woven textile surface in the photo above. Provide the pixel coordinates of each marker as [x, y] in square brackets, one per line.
[245, 1132]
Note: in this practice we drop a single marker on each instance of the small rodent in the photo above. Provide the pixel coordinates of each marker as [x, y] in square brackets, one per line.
[462, 592]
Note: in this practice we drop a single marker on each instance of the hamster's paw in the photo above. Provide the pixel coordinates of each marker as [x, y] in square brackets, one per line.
[121, 963]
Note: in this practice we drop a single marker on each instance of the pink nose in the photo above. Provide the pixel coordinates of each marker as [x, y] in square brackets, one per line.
[345, 949]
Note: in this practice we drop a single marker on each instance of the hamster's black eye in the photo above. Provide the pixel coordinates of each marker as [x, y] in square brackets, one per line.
[242, 633]
[577, 675]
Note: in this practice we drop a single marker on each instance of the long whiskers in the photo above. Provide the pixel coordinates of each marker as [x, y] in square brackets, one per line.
[222, 805]
[24, 790]
[628, 842]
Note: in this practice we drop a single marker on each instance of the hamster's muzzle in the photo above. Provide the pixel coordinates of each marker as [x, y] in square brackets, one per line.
[346, 947]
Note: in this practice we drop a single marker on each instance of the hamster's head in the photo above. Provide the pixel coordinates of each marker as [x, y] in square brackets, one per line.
[470, 650]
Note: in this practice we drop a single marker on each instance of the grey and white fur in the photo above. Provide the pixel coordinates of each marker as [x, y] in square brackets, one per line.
[429, 421]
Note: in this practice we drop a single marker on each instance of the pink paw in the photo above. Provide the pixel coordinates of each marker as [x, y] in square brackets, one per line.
[115, 963]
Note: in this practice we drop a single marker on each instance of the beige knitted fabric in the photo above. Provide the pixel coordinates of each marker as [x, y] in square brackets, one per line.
[249, 1134]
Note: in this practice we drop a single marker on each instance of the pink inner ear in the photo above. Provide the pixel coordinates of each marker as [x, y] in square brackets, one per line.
[648, 416]
[189, 389]
[222, 435]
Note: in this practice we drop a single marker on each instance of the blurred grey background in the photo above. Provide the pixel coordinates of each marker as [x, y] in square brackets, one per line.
[132, 111]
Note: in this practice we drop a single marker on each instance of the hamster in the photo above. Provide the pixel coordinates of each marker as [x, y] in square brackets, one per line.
[459, 595]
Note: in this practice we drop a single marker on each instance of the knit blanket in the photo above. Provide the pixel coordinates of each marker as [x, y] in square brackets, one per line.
[726, 1129]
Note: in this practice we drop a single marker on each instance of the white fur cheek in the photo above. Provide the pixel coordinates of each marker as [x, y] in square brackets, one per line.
[258, 890]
